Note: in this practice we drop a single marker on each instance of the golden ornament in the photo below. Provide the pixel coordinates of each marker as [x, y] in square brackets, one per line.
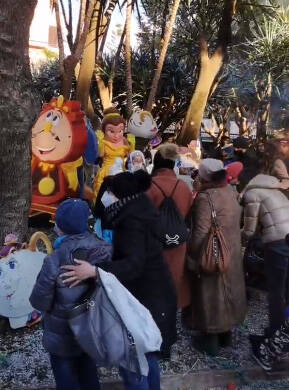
[46, 186]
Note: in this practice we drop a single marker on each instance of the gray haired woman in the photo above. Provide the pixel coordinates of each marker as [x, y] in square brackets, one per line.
[218, 300]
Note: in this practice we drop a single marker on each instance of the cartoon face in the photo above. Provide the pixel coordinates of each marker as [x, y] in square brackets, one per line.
[114, 134]
[9, 278]
[18, 273]
[284, 148]
[51, 136]
[142, 124]
[136, 161]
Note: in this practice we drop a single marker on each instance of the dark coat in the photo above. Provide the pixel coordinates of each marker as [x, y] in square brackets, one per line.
[138, 264]
[50, 294]
[215, 308]
[166, 179]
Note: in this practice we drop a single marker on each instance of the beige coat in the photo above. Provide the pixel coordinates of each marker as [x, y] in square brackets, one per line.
[176, 258]
[267, 206]
[218, 302]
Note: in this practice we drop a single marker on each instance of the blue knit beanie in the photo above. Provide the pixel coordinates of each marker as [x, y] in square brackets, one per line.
[72, 216]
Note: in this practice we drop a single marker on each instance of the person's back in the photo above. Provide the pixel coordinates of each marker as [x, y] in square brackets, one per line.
[218, 300]
[166, 183]
[167, 180]
[58, 298]
[267, 208]
[51, 296]
[267, 205]
[137, 257]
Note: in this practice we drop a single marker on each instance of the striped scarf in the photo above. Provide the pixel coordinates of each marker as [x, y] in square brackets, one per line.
[112, 211]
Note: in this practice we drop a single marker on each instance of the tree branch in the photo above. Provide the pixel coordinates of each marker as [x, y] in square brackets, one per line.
[128, 56]
[225, 30]
[162, 56]
[104, 30]
[64, 14]
[115, 63]
[59, 37]
[81, 43]
[81, 18]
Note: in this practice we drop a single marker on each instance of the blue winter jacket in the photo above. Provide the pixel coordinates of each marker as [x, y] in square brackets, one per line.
[51, 296]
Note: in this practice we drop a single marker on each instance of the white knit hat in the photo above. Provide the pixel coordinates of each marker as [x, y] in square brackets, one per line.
[208, 167]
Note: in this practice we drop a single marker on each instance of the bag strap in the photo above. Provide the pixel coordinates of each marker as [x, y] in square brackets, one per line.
[162, 191]
[174, 190]
[213, 211]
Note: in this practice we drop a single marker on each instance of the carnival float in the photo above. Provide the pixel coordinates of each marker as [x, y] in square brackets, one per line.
[18, 273]
[59, 143]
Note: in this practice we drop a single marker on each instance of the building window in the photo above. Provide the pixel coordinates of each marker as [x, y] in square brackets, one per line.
[52, 36]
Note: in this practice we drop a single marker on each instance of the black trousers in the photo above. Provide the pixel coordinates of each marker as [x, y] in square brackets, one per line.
[277, 263]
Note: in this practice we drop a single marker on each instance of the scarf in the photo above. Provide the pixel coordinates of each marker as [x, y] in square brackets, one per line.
[112, 211]
[58, 242]
[211, 185]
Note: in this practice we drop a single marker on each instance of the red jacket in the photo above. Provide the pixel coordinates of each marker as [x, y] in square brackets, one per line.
[176, 258]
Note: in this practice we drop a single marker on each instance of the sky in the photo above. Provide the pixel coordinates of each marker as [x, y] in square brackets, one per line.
[116, 26]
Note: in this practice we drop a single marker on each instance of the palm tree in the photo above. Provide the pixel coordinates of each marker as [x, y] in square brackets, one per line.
[128, 56]
[268, 52]
[209, 69]
[92, 57]
[162, 57]
[68, 64]
[88, 61]
[17, 111]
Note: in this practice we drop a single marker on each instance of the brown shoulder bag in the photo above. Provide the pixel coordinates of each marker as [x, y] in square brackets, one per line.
[215, 253]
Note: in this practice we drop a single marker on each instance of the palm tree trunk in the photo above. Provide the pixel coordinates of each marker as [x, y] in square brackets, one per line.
[88, 60]
[91, 58]
[210, 67]
[114, 65]
[72, 60]
[209, 70]
[81, 18]
[106, 23]
[18, 109]
[161, 61]
[263, 115]
[102, 89]
[128, 56]
[60, 41]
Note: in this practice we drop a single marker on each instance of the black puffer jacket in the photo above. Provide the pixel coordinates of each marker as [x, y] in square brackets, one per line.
[138, 263]
[51, 295]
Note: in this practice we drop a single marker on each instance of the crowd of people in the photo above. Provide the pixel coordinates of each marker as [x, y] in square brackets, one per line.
[241, 193]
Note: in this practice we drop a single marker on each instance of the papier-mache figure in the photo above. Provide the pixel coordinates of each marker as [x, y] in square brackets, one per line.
[59, 140]
[188, 159]
[136, 161]
[195, 148]
[18, 273]
[143, 126]
[11, 244]
[112, 144]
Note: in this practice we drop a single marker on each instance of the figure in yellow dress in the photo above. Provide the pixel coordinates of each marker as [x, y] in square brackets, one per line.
[113, 145]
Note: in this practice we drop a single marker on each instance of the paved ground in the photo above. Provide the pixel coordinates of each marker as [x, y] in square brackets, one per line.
[25, 365]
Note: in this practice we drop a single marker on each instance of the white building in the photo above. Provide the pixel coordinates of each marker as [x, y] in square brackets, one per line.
[43, 33]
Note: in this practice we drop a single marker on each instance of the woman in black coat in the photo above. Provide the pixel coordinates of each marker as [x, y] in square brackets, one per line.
[137, 259]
